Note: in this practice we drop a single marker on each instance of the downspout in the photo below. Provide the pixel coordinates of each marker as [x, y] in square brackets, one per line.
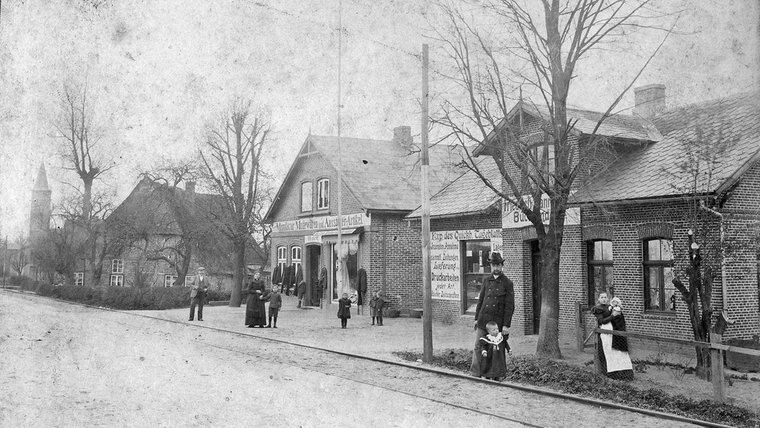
[724, 285]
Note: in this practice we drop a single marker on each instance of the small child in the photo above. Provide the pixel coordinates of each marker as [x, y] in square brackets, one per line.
[344, 310]
[373, 307]
[379, 303]
[275, 303]
[493, 348]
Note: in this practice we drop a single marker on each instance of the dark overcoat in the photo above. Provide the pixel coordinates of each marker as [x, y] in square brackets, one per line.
[496, 302]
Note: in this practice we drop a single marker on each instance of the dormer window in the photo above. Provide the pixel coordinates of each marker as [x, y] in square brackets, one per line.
[323, 194]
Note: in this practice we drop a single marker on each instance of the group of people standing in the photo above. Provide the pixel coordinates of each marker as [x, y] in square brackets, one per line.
[255, 310]
[493, 318]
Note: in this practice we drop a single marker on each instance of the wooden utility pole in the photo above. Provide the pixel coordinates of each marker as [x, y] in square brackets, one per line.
[338, 280]
[427, 301]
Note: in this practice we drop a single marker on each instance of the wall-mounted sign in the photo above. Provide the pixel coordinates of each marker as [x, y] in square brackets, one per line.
[322, 223]
[445, 259]
[513, 218]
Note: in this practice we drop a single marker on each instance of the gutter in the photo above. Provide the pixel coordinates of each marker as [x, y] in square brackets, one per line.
[724, 284]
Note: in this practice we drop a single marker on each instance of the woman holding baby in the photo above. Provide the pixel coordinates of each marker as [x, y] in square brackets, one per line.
[613, 352]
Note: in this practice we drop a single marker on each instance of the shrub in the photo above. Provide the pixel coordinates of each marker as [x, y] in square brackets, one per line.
[391, 313]
[579, 381]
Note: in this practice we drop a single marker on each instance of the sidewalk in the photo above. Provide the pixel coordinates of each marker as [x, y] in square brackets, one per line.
[321, 327]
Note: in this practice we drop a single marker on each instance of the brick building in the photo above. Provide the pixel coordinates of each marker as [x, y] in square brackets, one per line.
[380, 186]
[631, 212]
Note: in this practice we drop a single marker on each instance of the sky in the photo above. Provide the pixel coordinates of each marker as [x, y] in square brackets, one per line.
[159, 71]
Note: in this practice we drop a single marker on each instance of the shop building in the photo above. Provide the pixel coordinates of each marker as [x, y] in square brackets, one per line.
[380, 186]
[627, 228]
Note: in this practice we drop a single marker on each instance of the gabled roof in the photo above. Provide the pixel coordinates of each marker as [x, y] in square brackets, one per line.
[653, 171]
[620, 126]
[467, 194]
[382, 175]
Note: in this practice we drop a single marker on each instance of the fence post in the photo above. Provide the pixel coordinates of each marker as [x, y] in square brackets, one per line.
[716, 369]
[597, 362]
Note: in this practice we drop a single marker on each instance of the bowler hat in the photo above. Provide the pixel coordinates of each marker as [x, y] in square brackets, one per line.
[495, 259]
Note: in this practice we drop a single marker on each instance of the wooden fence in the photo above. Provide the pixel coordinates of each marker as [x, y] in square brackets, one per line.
[717, 349]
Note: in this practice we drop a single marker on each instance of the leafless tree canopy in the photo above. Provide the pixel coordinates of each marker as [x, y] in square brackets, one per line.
[532, 47]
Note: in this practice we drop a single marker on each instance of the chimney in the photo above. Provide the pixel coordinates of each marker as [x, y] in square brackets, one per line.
[402, 135]
[190, 187]
[650, 100]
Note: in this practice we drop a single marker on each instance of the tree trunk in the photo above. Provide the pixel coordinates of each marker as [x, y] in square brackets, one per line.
[548, 332]
[238, 273]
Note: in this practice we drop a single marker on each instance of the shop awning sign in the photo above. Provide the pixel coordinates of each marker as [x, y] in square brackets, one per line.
[348, 221]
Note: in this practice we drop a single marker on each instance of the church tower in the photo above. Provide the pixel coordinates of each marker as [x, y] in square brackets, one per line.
[39, 220]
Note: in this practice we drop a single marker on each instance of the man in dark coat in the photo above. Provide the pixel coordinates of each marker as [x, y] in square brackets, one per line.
[496, 302]
[198, 294]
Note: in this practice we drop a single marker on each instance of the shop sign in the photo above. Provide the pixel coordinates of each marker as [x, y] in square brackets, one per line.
[514, 218]
[312, 239]
[322, 223]
[445, 259]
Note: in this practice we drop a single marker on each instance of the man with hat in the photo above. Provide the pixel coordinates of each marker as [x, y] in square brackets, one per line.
[496, 302]
[198, 293]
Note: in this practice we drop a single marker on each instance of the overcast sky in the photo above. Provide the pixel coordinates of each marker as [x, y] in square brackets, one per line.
[159, 70]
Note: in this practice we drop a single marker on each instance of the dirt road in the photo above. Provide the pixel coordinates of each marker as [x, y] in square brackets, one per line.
[68, 365]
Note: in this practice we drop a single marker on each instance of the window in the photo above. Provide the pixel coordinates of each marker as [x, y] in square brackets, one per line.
[169, 280]
[306, 201]
[282, 258]
[543, 157]
[189, 280]
[295, 258]
[659, 292]
[79, 278]
[599, 270]
[117, 280]
[323, 194]
[117, 266]
[476, 268]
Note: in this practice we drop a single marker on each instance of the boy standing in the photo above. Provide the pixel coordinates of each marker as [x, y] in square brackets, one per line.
[275, 303]
[379, 303]
[344, 310]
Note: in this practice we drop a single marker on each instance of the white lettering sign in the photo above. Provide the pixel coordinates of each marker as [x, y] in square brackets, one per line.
[513, 217]
[445, 260]
[321, 223]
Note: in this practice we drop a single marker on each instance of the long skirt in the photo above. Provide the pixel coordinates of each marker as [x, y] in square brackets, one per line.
[615, 364]
[255, 312]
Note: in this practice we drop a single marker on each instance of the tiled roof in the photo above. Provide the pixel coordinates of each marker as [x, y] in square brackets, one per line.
[615, 125]
[653, 171]
[467, 194]
[382, 174]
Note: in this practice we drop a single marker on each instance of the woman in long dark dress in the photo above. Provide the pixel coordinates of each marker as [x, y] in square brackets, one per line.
[613, 352]
[255, 313]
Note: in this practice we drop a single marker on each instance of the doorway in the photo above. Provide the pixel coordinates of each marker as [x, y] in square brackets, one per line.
[313, 292]
[536, 268]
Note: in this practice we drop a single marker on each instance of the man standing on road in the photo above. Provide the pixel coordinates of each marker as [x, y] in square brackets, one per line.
[496, 302]
[198, 294]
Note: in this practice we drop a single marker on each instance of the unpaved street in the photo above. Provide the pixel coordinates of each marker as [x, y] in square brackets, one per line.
[68, 365]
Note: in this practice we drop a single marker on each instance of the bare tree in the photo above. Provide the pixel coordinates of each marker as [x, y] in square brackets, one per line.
[232, 161]
[550, 40]
[19, 261]
[693, 177]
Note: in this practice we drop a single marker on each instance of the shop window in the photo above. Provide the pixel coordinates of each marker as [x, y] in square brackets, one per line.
[79, 278]
[117, 280]
[117, 266]
[306, 196]
[170, 280]
[476, 269]
[323, 194]
[345, 268]
[659, 292]
[600, 266]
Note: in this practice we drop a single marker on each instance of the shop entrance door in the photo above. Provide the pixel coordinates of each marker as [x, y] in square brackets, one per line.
[313, 293]
[536, 265]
